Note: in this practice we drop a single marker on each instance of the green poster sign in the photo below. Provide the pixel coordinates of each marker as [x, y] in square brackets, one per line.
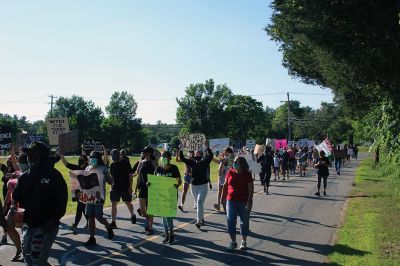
[162, 197]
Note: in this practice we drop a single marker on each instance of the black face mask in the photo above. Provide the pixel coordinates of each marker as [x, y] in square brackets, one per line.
[197, 158]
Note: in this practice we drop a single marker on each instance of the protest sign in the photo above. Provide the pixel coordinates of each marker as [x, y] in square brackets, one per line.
[68, 142]
[254, 167]
[55, 127]
[325, 146]
[90, 184]
[217, 145]
[250, 143]
[5, 138]
[259, 149]
[193, 142]
[270, 142]
[90, 145]
[162, 196]
[280, 143]
[35, 137]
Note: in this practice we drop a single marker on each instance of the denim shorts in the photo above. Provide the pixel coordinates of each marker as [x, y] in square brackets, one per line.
[187, 179]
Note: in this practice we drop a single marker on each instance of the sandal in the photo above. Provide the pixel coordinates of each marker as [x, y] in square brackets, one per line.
[17, 256]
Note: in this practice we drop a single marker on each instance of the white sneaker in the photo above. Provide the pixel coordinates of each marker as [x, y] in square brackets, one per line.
[232, 246]
[243, 245]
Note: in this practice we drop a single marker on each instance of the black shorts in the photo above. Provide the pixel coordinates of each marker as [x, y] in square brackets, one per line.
[116, 195]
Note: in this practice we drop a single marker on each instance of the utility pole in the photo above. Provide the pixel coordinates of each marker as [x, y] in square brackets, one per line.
[51, 104]
[288, 118]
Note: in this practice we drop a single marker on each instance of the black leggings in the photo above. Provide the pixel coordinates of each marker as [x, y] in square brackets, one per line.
[265, 178]
[80, 209]
[319, 181]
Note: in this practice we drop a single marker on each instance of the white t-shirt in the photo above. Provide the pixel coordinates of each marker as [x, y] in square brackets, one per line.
[276, 162]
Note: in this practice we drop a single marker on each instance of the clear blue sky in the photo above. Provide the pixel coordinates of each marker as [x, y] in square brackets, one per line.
[153, 49]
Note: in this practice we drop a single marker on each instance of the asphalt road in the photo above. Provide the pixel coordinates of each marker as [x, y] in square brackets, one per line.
[290, 226]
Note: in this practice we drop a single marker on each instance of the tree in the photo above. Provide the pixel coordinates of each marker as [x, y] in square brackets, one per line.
[202, 108]
[121, 129]
[351, 47]
[245, 118]
[82, 115]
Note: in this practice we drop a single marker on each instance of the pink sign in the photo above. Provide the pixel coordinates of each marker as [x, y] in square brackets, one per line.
[280, 143]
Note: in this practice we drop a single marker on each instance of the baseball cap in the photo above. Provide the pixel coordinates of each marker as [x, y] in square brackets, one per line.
[148, 149]
[38, 147]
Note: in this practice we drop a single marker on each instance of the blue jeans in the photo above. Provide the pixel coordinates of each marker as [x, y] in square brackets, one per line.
[233, 210]
[338, 165]
[168, 223]
[36, 244]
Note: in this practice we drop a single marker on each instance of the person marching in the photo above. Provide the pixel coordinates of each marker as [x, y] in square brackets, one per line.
[225, 163]
[95, 210]
[147, 167]
[83, 162]
[338, 157]
[303, 161]
[239, 188]
[186, 179]
[8, 173]
[121, 173]
[277, 163]
[285, 164]
[322, 171]
[42, 192]
[266, 161]
[171, 171]
[199, 180]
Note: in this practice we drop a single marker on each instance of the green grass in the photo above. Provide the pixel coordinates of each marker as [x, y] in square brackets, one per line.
[74, 159]
[371, 232]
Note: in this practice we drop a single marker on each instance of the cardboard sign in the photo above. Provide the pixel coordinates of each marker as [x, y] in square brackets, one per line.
[218, 145]
[250, 143]
[68, 142]
[89, 183]
[162, 198]
[193, 142]
[5, 138]
[55, 127]
[259, 149]
[280, 143]
[325, 146]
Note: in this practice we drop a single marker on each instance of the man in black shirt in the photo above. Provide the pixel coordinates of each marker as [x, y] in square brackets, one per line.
[267, 162]
[42, 192]
[322, 171]
[121, 173]
[147, 167]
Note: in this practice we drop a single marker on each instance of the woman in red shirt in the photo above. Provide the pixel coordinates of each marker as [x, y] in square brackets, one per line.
[238, 190]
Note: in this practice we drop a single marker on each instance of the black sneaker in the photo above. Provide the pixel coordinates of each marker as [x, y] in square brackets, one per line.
[166, 239]
[139, 212]
[317, 194]
[110, 232]
[324, 193]
[171, 239]
[180, 207]
[149, 232]
[113, 225]
[90, 242]
[198, 225]
[133, 219]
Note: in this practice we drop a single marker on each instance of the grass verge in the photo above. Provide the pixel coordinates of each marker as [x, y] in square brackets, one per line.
[370, 234]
